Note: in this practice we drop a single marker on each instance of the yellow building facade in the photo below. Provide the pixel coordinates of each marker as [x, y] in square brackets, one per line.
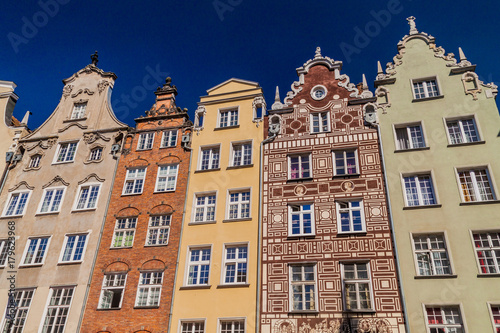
[216, 281]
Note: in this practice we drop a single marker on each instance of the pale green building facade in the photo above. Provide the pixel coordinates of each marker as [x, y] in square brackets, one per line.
[440, 130]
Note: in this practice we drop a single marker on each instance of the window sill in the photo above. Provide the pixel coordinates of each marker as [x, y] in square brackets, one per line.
[169, 191]
[10, 216]
[205, 286]
[360, 311]
[109, 309]
[322, 132]
[426, 98]
[207, 170]
[440, 276]
[485, 202]
[348, 233]
[130, 194]
[48, 213]
[120, 248]
[488, 275]
[422, 207]
[347, 175]
[74, 120]
[234, 285]
[298, 312]
[32, 169]
[83, 210]
[466, 144]
[147, 307]
[143, 149]
[411, 149]
[65, 263]
[295, 180]
[155, 245]
[30, 265]
[202, 222]
[64, 162]
[295, 237]
[163, 147]
[239, 166]
[237, 220]
[227, 127]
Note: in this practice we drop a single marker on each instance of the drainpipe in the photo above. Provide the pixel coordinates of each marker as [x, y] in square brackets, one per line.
[391, 223]
[5, 174]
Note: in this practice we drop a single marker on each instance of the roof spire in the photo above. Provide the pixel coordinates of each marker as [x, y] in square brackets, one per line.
[318, 53]
[95, 58]
[379, 68]
[277, 95]
[277, 104]
[26, 117]
[461, 54]
[365, 85]
[411, 22]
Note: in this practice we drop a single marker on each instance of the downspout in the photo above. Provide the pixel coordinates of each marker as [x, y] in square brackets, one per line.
[99, 240]
[5, 174]
[391, 223]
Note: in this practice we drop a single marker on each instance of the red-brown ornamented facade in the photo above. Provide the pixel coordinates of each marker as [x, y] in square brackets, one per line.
[327, 256]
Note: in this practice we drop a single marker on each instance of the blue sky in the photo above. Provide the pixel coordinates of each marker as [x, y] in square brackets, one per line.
[203, 43]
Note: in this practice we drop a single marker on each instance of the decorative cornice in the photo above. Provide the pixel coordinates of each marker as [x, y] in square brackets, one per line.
[167, 88]
[83, 127]
[80, 91]
[21, 183]
[55, 179]
[88, 70]
[90, 176]
[89, 138]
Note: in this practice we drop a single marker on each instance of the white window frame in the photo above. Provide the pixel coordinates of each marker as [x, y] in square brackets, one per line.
[146, 141]
[303, 283]
[463, 136]
[491, 248]
[125, 232]
[409, 137]
[59, 307]
[444, 325]
[317, 88]
[4, 252]
[166, 139]
[163, 224]
[301, 167]
[193, 328]
[344, 159]
[17, 322]
[148, 287]
[72, 250]
[81, 188]
[205, 207]
[133, 177]
[230, 112]
[16, 204]
[496, 326]
[35, 161]
[321, 124]
[236, 262]
[232, 321]
[168, 176]
[213, 164]
[301, 214]
[357, 281]
[475, 188]
[241, 146]
[35, 251]
[51, 202]
[239, 203]
[79, 110]
[198, 264]
[417, 177]
[104, 288]
[96, 152]
[429, 252]
[425, 87]
[60, 147]
[350, 209]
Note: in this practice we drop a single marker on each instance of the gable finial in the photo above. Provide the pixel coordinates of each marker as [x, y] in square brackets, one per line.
[461, 54]
[277, 104]
[365, 84]
[95, 58]
[379, 68]
[26, 117]
[277, 95]
[318, 53]
[413, 28]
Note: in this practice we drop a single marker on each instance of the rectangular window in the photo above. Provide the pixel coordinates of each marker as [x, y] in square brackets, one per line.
[113, 286]
[356, 280]
[35, 161]
[409, 137]
[167, 178]
[425, 88]
[134, 181]
[4, 251]
[299, 166]
[228, 118]
[475, 185]
[193, 327]
[158, 230]
[87, 198]
[58, 309]
[204, 208]
[169, 138]
[239, 205]
[124, 232]
[95, 154]
[431, 255]
[51, 201]
[35, 251]
[232, 326]
[73, 248]
[209, 158]
[487, 246]
[320, 122]
[235, 264]
[66, 152]
[301, 220]
[23, 298]
[17, 203]
[146, 141]
[462, 131]
[495, 315]
[198, 266]
[78, 110]
[444, 319]
[242, 154]
[149, 289]
[303, 287]
[350, 216]
[419, 190]
[346, 162]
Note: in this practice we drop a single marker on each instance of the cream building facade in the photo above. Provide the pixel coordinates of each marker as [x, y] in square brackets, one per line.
[440, 128]
[216, 283]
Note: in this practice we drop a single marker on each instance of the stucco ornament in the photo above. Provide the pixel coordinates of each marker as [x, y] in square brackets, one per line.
[285, 326]
[471, 84]
[258, 102]
[323, 327]
[67, 90]
[102, 85]
[413, 27]
[89, 138]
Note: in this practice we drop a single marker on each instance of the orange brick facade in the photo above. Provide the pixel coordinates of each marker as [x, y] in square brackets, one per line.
[117, 256]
